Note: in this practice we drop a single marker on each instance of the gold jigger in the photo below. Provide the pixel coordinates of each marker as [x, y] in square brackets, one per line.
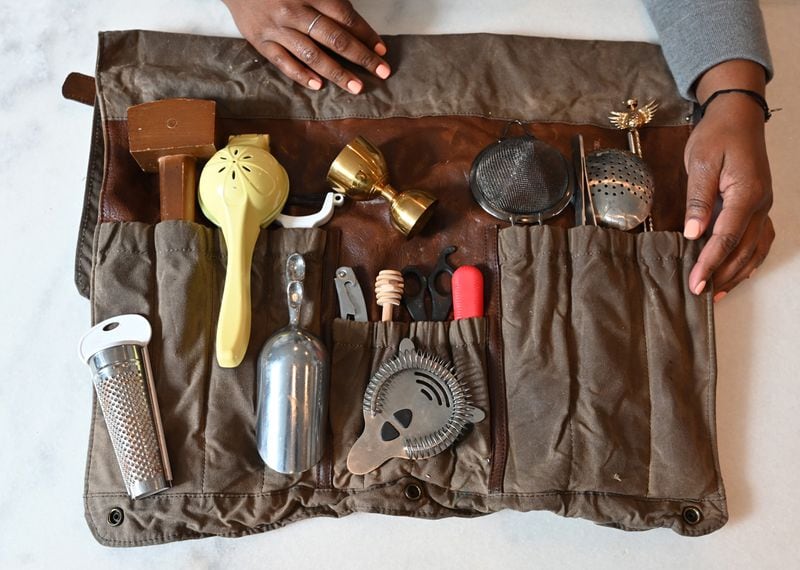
[360, 172]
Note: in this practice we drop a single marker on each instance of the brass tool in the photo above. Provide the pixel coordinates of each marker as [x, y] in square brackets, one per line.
[360, 172]
[242, 189]
[633, 119]
[388, 291]
[168, 137]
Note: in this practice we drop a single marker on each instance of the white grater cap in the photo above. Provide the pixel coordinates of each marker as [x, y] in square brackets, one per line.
[116, 331]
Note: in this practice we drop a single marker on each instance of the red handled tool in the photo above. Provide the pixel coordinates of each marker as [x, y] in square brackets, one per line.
[467, 286]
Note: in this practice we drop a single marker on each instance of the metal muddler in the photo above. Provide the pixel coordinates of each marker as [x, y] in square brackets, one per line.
[292, 402]
[116, 352]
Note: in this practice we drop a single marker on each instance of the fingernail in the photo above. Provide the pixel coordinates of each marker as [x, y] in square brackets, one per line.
[315, 84]
[354, 86]
[720, 296]
[700, 287]
[383, 71]
[380, 48]
[692, 229]
[753, 272]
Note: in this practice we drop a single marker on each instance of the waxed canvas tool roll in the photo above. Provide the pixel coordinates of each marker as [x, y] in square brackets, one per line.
[594, 364]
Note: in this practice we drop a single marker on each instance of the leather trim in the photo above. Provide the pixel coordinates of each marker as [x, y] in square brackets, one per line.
[79, 88]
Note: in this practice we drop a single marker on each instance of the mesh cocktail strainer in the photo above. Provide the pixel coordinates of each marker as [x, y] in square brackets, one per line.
[521, 179]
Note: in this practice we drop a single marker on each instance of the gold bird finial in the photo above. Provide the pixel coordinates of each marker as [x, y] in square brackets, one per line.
[633, 118]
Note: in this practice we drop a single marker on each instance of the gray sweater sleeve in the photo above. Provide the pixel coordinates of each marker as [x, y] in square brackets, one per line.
[698, 34]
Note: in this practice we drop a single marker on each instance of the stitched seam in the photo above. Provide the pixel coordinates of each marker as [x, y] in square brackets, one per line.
[305, 513]
[93, 183]
[354, 492]
[497, 392]
[108, 168]
[711, 377]
[642, 303]
[316, 511]
[344, 116]
[558, 255]
[573, 388]
[210, 331]
[93, 278]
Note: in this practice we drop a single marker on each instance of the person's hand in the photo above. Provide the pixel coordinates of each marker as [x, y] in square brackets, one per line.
[726, 156]
[296, 35]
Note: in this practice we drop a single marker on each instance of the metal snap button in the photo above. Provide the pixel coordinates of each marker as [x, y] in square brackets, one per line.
[692, 515]
[115, 516]
[413, 492]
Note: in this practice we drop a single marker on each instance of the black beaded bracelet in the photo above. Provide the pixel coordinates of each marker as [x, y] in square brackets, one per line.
[757, 97]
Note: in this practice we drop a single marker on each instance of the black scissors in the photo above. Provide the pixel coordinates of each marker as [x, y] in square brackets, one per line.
[441, 303]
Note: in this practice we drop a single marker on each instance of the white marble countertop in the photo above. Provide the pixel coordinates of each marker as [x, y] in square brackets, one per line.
[45, 396]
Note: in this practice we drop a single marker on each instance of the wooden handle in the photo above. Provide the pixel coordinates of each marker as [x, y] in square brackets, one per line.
[177, 177]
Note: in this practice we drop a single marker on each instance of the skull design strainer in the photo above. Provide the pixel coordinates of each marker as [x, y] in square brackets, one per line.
[415, 407]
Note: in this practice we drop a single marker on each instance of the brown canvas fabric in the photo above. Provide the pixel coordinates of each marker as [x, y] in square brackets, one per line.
[594, 364]
[482, 80]
[485, 75]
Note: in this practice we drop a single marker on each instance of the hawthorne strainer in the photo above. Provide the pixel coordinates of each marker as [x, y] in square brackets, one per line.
[521, 180]
[414, 407]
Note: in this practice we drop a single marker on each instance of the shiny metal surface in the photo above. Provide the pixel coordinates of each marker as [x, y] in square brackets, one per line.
[360, 172]
[621, 188]
[632, 119]
[123, 382]
[352, 306]
[291, 410]
[620, 182]
[521, 180]
[414, 407]
[582, 198]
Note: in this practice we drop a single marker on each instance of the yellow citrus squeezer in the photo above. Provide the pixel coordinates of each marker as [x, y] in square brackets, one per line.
[242, 189]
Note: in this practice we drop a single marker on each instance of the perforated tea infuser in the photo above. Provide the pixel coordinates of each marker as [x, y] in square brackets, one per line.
[521, 180]
[620, 182]
[414, 407]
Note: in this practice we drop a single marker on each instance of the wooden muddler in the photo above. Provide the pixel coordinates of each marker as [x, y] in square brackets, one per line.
[168, 137]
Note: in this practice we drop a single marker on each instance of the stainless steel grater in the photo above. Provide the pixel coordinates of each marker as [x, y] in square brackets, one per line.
[116, 352]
